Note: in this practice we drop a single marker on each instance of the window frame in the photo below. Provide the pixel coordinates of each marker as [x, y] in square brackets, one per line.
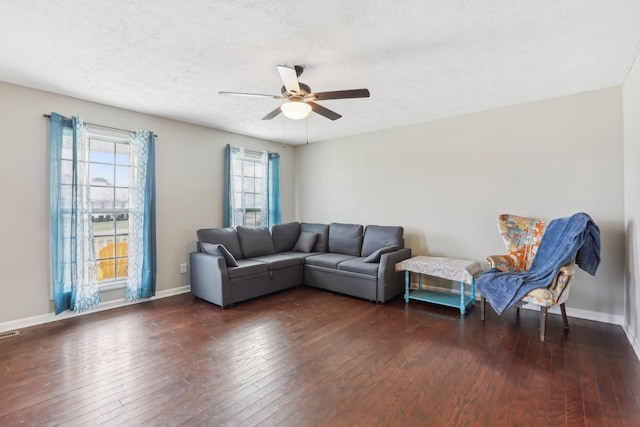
[240, 182]
[98, 135]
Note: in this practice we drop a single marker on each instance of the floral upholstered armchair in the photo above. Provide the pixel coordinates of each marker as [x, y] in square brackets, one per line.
[522, 237]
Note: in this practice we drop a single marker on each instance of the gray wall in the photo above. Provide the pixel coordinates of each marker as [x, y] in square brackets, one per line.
[631, 102]
[447, 181]
[190, 173]
[444, 181]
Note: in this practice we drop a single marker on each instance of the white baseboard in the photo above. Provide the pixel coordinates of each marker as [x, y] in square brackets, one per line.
[596, 316]
[633, 339]
[51, 317]
[573, 312]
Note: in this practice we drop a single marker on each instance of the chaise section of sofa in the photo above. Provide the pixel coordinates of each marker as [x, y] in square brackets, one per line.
[236, 264]
[360, 264]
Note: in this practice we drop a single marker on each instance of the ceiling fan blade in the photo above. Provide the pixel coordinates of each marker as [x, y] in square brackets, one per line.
[257, 95]
[342, 94]
[329, 114]
[272, 114]
[289, 77]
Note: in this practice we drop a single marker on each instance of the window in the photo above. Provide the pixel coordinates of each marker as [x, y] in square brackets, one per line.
[252, 193]
[109, 170]
[102, 188]
[249, 175]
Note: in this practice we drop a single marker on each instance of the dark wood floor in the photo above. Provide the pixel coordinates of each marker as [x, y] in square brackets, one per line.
[306, 357]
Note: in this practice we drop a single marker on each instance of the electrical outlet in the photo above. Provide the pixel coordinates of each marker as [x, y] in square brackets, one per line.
[183, 268]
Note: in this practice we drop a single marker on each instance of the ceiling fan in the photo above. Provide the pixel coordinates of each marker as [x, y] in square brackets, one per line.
[300, 99]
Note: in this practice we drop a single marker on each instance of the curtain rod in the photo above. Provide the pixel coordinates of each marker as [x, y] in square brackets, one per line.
[48, 116]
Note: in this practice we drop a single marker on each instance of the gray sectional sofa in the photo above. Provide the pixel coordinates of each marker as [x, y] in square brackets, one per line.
[237, 264]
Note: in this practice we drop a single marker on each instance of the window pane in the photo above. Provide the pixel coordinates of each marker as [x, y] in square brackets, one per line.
[101, 174]
[238, 217]
[122, 198]
[121, 252]
[249, 185]
[102, 197]
[122, 176]
[104, 246]
[250, 219]
[237, 200]
[122, 266]
[101, 151]
[259, 186]
[103, 225]
[259, 170]
[112, 257]
[249, 200]
[249, 169]
[122, 224]
[122, 154]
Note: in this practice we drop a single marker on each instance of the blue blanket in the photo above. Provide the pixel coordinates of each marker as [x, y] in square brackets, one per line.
[565, 238]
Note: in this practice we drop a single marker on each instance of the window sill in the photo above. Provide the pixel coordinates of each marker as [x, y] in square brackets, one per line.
[119, 284]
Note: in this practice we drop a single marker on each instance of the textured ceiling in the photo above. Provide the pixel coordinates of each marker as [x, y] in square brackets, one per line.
[421, 60]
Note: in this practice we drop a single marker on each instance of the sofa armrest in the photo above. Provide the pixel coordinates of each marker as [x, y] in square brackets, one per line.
[209, 279]
[390, 282]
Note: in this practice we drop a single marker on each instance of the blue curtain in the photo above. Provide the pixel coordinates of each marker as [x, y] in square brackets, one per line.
[74, 274]
[227, 203]
[60, 213]
[149, 266]
[275, 209]
[141, 277]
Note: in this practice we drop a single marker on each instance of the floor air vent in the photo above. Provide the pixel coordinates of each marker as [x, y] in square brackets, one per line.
[9, 334]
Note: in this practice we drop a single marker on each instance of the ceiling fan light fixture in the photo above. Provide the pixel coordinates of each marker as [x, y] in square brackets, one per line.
[295, 110]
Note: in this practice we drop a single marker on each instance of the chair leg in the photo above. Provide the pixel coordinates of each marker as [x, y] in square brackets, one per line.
[563, 310]
[483, 301]
[543, 322]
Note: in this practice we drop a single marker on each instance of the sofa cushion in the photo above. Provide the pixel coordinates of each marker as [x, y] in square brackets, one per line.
[223, 236]
[255, 241]
[375, 257]
[285, 236]
[305, 242]
[345, 239]
[359, 265]
[280, 260]
[299, 255]
[378, 236]
[328, 260]
[322, 243]
[247, 267]
[219, 250]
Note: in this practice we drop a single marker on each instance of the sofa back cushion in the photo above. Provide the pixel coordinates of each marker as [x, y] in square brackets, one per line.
[285, 236]
[226, 237]
[345, 239]
[322, 230]
[378, 236]
[255, 241]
